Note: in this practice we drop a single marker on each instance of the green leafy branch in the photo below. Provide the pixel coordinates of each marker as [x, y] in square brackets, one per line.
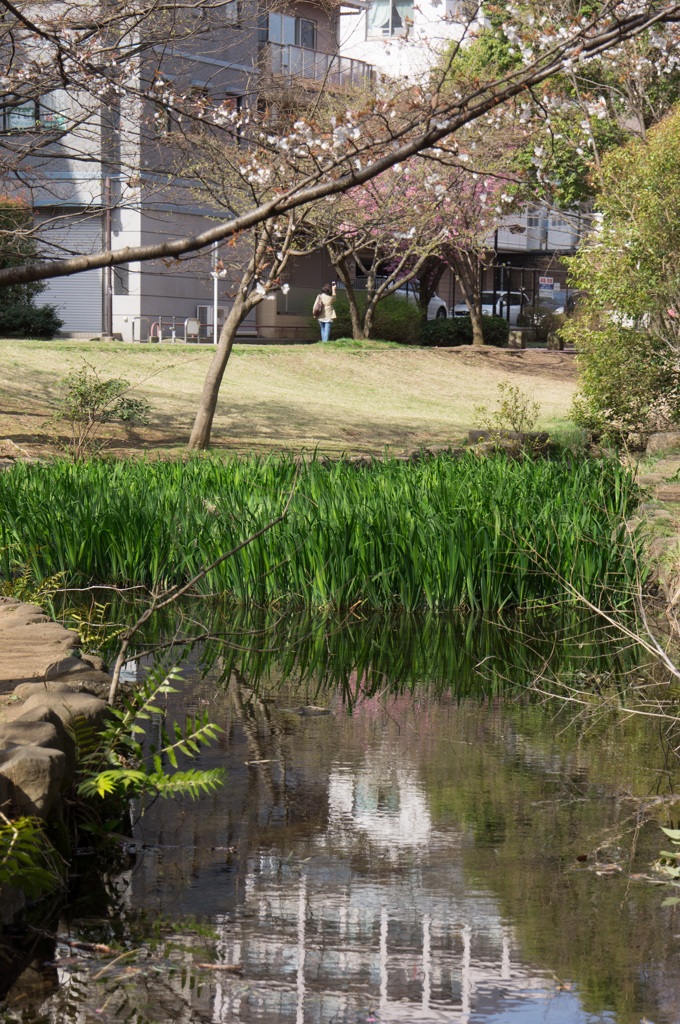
[28, 861]
[124, 764]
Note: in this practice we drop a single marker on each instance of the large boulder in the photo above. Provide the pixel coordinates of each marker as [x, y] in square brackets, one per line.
[663, 442]
[32, 778]
[33, 650]
[30, 733]
[89, 681]
[67, 706]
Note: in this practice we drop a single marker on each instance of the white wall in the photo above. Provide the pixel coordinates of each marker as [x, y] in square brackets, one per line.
[411, 54]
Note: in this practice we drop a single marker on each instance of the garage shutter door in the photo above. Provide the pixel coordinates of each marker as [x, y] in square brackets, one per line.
[78, 298]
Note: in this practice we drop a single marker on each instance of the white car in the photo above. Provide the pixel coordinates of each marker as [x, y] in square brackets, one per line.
[436, 307]
[514, 302]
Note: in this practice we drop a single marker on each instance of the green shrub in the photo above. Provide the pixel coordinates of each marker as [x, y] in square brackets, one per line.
[629, 382]
[458, 331]
[88, 401]
[19, 317]
[23, 320]
[395, 319]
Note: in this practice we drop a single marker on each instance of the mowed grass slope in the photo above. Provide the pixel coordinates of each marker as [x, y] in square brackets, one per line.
[353, 398]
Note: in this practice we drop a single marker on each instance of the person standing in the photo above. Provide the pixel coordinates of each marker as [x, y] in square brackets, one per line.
[324, 309]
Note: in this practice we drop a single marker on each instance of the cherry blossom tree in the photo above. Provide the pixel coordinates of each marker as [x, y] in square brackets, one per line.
[379, 237]
[251, 265]
[113, 61]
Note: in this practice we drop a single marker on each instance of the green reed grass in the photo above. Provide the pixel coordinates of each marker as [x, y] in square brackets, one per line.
[442, 533]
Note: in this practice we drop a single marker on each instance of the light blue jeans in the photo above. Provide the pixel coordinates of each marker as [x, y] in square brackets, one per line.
[325, 326]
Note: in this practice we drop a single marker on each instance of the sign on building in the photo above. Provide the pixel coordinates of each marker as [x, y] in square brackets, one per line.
[545, 286]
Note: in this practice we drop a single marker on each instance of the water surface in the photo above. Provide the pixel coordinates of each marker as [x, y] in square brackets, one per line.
[431, 849]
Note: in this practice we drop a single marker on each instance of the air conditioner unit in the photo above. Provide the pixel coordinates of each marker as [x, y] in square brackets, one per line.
[205, 315]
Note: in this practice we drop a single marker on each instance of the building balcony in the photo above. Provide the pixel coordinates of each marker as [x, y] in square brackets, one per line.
[312, 66]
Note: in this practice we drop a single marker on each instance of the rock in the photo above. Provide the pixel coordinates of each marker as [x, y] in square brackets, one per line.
[24, 664]
[17, 613]
[95, 683]
[33, 776]
[37, 632]
[68, 708]
[661, 546]
[26, 690]
[68, 665]
[96, 662]
[31, 733]
[664, 441]
[531, 437]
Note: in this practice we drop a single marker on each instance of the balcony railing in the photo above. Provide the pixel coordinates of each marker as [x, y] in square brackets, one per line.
[331, 68]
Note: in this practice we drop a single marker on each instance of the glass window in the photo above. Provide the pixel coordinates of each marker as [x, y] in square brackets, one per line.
[232, 12]
[307, 34]
[275, 29]
[21, 117]
[52, 110]
[389, 17]
[289, 30]
[121, 279]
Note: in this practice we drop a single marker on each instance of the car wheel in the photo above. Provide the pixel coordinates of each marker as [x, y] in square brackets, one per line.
[440, 314]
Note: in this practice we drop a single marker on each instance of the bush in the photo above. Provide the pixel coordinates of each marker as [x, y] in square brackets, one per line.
[395, 319]
[23, 320]
[629, 382]
[88, 401]
[458, 331]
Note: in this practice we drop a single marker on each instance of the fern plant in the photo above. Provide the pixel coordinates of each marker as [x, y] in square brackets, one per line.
[94, 626]
[126, 763]
[23, 584]
[28, 861]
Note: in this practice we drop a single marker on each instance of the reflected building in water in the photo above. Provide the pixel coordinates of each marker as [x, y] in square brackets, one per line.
[371, 920]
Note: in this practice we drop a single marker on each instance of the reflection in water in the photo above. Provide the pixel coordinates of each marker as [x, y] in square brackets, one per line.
[411, 857]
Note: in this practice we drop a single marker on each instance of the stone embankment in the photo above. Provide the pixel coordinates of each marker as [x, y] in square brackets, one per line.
[660, 474]
[49, 696]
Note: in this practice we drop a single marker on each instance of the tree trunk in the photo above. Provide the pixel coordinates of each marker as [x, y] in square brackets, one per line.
[476, 318]
[368, 318]
[358, 329]
[428, 281]
[202, 429]
[465, 265]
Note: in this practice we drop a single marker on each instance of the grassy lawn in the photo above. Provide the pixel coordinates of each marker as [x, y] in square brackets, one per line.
[337, 397]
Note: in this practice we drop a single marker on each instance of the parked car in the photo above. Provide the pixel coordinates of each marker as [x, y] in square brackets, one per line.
[436, 307]
[574, 299]
[512, 302]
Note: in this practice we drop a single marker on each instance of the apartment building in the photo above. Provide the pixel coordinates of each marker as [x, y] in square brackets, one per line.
[100, 178]
[403, 38]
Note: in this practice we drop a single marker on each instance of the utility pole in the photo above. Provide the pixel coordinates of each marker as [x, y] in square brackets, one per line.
[108, 272]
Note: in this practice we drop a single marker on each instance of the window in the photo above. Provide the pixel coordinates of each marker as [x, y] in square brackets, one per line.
[232, 12]
[533, 220]
[306, 33]
[290, 31]
[27, 115]
[19, 116]
[121, 279]
[52, 110]
[389, 18]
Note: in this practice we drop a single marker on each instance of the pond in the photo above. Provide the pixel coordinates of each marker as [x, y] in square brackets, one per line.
[437, 845]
